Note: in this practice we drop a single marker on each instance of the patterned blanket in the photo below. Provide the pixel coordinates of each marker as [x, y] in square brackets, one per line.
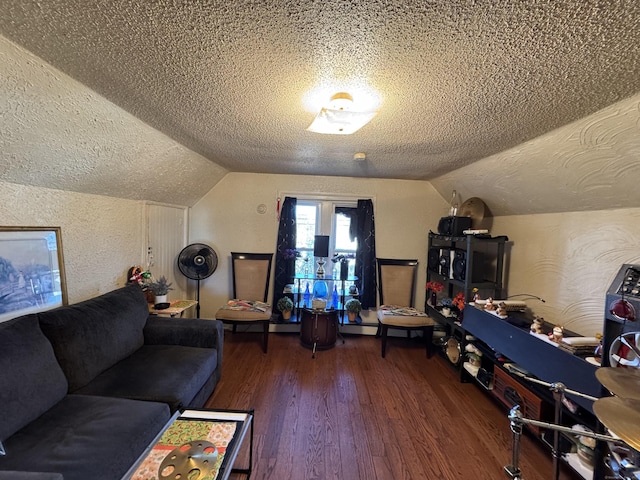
[248, 305]
[396, 310]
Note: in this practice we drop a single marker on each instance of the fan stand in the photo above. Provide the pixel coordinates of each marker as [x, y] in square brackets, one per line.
[198, 298]
[197, 262]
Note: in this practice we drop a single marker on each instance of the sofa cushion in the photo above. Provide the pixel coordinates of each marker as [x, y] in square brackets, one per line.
[91, 336]
[32, 380]
[172, 374]
[86, 437]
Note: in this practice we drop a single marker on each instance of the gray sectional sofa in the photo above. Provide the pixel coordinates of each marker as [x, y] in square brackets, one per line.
[86, 387]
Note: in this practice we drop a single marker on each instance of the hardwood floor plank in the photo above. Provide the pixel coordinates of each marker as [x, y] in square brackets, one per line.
[350, 414]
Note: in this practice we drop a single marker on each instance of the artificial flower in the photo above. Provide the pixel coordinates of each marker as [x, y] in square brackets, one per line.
[290, 253]
[458, 301]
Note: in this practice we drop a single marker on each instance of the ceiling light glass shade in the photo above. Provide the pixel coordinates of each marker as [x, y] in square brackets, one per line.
[338, 118]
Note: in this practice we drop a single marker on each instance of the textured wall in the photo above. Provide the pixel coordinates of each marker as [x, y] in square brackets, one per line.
[101, 236]
[590, 164]
[57, 133]
[570, 259]
[226, 219]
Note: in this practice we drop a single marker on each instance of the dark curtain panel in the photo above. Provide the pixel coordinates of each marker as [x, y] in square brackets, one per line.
[352, 214]
[285, 268]
[365, 268]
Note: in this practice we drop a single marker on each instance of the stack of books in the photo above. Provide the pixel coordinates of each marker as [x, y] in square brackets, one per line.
[580, 346]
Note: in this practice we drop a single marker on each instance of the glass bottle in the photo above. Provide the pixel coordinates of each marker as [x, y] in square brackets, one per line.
[334, 297]
[307, 296]
[455, 204]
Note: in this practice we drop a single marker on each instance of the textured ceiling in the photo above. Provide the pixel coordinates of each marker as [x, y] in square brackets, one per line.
[458, 81]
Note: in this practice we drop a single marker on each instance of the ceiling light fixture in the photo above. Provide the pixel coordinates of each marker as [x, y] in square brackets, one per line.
[339, 117]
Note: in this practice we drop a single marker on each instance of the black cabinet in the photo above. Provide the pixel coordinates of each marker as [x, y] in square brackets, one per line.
[465, 263]
[460, 265]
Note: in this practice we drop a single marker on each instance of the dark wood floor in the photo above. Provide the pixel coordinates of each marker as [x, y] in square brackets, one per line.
[350, 414]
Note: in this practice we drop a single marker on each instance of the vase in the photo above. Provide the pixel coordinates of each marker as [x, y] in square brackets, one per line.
[434, 298]
[286, 315]
[150, 296]
[352, 316]
[160, 299]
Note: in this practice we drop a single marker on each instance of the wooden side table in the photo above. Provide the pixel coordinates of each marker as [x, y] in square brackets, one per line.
[176, 309]
[318, 329]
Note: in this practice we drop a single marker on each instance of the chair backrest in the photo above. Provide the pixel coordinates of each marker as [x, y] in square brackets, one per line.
[397, 281]
[251, 275]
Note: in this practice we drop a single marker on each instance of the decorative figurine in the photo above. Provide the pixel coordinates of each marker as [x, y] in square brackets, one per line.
[536, 326]
[476, 295]
[556, 334]
[489, 305]
[502, 309]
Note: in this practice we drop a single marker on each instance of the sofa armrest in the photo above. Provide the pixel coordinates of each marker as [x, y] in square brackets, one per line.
[188, 332]
[12, 475]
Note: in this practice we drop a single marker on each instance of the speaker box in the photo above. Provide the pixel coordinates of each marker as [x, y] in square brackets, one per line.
[453, 226]
[458, 269]
[433, 260]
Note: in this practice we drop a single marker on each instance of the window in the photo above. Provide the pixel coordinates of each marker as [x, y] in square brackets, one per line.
[320, 217]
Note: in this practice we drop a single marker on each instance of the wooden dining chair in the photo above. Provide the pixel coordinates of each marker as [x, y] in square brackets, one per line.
[251, 274]
[396, 290]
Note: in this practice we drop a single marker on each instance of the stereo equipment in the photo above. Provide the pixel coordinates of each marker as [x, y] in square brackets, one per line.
[459, 266]
[454, 226]
[485, 378]
[622, 317]
[433, 260]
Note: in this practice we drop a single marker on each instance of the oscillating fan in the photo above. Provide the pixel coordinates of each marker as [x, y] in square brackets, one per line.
[197, 262]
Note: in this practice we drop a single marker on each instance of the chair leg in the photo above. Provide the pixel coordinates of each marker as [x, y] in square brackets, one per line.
[378, 332]
[428, 337]
[235, 325]
[265, 339]
[384, 339]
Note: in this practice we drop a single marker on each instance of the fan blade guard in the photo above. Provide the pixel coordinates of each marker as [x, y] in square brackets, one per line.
[197, 261]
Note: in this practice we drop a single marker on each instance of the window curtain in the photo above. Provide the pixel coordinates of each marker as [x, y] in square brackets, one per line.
[365, 268]
[352, 214]
[284, 267]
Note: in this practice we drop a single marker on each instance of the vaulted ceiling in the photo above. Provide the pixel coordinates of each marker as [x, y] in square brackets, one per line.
[495, 98]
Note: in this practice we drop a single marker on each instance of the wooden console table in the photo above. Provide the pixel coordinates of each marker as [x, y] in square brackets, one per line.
[176, 309]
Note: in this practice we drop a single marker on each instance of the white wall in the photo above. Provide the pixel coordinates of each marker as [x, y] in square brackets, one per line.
[570, 260]
[227, 220]
[101, 236]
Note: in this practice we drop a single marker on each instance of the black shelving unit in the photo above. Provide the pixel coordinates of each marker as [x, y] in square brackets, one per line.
[462, 264]
[467, 262]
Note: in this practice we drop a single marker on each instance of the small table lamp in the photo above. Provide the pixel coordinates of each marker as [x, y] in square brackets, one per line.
[321, 249]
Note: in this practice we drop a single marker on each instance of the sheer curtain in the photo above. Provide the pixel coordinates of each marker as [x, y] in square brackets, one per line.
[285, 268]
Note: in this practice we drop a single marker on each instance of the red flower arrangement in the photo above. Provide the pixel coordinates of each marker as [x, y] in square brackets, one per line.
[458, 301]
[435, 286]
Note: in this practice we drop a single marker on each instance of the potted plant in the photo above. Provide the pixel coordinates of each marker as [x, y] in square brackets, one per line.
[160, 289]
[285, 305]
[446, 303]
[353, 308]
